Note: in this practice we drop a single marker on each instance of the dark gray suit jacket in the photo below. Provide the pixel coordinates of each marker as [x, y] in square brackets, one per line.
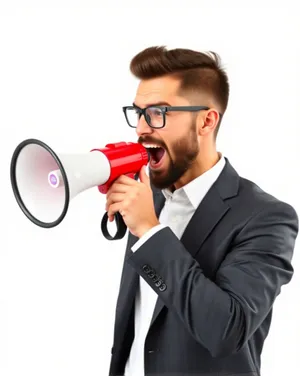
[216, 285]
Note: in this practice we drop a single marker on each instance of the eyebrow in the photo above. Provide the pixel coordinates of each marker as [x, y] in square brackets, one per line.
[154, 104]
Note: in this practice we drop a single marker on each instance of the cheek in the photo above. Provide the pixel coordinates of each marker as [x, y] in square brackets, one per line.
[171, 151]
[174, 134]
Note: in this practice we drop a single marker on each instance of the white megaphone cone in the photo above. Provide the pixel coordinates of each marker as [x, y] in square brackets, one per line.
[44, 182]
[83, 171]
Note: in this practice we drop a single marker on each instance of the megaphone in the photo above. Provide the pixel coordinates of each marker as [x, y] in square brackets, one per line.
[44, 182]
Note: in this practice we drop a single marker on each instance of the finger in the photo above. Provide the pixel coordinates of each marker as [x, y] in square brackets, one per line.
[112, 210]
[114, 197]
[144, 178]
[117, 188]
[126, 180]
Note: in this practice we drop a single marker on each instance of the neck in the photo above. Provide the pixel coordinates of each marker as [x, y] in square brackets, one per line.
[205, 160]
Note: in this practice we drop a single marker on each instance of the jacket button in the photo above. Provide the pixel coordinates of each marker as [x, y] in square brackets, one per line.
[146, 268]
[163, 287]
[151, 274]
[158, 283]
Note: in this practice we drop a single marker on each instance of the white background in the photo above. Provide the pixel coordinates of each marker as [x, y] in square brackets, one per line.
[63, 78]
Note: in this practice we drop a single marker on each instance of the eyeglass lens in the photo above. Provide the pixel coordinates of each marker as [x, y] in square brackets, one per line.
[153, 115]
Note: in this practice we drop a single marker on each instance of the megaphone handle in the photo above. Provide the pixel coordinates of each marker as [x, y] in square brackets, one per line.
[121, 226]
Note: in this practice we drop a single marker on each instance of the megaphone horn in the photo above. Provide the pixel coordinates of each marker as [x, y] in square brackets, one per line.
[44, 182]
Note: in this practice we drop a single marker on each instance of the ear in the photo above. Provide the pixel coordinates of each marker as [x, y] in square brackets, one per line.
[208, 122]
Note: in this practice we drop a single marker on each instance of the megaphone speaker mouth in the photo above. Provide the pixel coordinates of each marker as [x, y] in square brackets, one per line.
[35, 182]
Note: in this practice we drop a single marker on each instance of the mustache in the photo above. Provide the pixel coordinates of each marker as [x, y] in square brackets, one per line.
[150, 141]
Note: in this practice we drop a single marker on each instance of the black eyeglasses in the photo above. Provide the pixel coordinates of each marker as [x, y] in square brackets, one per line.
[155, 116]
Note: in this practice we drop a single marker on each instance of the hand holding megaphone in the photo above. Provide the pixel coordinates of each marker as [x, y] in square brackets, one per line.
[44, 182]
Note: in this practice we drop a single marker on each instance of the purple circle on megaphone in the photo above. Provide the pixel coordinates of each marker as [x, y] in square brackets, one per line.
[53, 179]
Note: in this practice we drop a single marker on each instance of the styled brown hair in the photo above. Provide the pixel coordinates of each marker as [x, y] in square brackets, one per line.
[198, 71]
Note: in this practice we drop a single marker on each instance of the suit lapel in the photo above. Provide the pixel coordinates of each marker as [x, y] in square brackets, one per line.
[211, 210]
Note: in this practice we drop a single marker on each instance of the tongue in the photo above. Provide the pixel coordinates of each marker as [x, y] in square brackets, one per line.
[160, 154]
[157, 154]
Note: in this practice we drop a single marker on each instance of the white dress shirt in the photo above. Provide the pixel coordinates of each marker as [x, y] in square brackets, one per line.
[178, 210]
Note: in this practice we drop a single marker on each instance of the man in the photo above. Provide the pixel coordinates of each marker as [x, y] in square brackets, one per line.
[208, 251]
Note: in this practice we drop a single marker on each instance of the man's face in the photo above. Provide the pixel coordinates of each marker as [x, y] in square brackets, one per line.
[178, 139]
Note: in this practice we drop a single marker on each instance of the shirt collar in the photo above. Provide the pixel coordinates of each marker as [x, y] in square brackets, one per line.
[196, 189]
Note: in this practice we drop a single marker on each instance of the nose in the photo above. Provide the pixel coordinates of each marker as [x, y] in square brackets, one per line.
[143, 127]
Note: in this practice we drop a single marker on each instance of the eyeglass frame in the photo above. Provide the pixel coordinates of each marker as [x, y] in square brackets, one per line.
[165, 109]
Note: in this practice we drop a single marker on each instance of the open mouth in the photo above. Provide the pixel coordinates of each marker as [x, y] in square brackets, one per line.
[156, 154]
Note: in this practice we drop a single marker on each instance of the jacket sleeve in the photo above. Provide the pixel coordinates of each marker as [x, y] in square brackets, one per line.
[246, 284]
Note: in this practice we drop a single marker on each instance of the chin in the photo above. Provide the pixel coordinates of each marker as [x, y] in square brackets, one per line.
[161, 179]
[158, 180]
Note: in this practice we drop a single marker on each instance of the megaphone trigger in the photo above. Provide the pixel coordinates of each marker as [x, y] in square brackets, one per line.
[133, 175]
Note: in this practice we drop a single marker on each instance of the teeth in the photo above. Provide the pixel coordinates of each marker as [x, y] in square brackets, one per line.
[151, 146]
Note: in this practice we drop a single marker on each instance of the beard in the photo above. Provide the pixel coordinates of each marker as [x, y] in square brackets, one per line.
[185, 151]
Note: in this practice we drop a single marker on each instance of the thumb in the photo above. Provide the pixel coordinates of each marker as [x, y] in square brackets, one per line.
[144, 178]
